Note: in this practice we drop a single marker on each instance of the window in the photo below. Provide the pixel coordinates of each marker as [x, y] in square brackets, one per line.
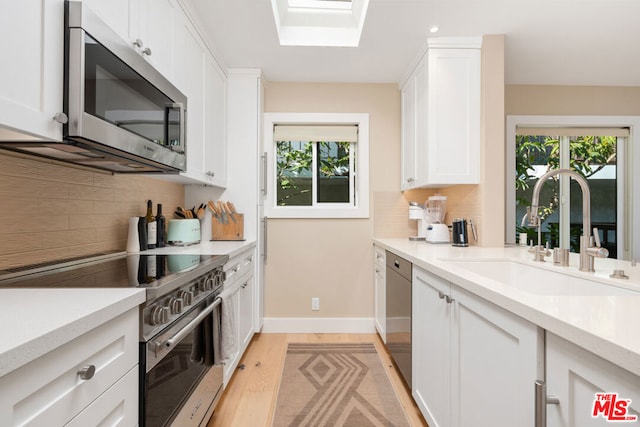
[596, 147]
[317, 165]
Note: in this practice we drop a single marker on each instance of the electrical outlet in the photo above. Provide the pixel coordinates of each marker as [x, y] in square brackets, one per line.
[315, 304]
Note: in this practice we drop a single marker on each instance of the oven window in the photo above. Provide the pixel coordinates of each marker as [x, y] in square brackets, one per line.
[171, 381]
[117, 94]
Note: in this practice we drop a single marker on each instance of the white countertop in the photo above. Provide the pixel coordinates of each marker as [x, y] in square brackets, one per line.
[35, 321]
[218, 247]
[608, 326]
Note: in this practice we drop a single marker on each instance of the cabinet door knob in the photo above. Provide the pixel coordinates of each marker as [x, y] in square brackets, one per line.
[441, 295]
[138, 43]
[87, 372]
[146, 51]
[61, 118]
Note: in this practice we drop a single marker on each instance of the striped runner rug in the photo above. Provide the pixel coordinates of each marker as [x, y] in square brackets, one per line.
[336, 385]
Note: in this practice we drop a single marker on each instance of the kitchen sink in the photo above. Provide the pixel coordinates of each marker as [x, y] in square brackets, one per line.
[536, 280]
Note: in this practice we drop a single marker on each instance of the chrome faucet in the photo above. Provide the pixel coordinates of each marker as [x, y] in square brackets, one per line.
[588, 251]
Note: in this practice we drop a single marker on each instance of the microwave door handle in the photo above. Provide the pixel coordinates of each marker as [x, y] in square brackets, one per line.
[183, 126]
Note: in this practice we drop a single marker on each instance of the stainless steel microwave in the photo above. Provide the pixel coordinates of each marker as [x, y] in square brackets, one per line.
[120, 113]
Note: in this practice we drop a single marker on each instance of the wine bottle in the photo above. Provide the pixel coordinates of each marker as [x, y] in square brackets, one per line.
[142, 233]
[152, 233]
[160, 226]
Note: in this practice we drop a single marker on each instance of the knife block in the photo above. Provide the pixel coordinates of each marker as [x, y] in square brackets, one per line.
[228, 230]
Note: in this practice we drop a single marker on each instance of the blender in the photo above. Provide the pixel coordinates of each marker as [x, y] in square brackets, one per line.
[434, 210]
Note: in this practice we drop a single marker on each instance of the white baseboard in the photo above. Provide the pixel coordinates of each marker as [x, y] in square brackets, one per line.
[324, 325]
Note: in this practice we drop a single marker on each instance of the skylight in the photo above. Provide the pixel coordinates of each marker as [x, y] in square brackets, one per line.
[319, 22]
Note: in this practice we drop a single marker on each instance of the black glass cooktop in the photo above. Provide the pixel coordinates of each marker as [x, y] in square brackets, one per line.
[112, 271]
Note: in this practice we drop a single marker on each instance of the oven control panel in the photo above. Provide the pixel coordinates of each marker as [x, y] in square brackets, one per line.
[168, 308]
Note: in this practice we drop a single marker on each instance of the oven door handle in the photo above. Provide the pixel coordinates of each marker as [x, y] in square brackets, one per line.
[171, 342]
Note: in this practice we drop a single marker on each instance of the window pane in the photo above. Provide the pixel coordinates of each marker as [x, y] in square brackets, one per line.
[293, 174]
[595, 157]
[333, 172]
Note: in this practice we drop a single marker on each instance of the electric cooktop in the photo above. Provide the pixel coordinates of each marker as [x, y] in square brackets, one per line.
[156, 273]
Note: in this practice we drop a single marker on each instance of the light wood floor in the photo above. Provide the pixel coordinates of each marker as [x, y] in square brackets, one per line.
[250, 398]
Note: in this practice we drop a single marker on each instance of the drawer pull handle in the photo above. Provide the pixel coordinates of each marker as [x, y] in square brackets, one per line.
[87, 372]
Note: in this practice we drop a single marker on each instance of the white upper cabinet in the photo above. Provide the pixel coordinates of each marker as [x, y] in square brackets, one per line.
[31, 77]
[215, 153]
[148, 25]
[119, 15]
[441, 116]
[155, 29]
[198, 75]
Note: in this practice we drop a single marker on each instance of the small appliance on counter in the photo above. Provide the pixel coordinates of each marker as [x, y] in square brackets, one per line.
[460, 234]
[434, 211]
[183, 232]
[416, 212]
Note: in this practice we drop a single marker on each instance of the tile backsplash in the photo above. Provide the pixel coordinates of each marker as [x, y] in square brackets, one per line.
[391, 209]
[50, 212]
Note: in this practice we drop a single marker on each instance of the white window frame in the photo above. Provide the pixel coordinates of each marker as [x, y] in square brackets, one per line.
[629, 242]
[360, 207]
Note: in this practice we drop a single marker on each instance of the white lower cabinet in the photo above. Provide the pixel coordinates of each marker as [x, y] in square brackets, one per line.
[240, 303]
[50, 391]
[117, 407]
[431, 347]
[471, 358]
[575, 375]
[380, 279]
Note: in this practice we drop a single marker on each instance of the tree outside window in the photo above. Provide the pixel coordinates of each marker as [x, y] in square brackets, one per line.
[588, 155]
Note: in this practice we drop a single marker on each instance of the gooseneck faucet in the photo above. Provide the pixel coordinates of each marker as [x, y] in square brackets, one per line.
[588, 251]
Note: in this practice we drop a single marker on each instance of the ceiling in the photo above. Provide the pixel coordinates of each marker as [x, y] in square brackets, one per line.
[563, 42]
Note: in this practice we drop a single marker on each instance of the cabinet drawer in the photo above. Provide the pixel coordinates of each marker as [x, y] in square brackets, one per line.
[239, 265]
[49, 390]
[117, 407]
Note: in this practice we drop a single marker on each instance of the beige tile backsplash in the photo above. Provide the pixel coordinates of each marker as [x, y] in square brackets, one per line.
[391, 208]
[50, 212]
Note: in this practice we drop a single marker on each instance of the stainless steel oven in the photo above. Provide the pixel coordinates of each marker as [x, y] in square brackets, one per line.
[182, 369]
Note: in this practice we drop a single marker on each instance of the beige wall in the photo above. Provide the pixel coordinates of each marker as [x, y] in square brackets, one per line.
[333, 258]
[51, 212]
[484, 203]
[572, 100]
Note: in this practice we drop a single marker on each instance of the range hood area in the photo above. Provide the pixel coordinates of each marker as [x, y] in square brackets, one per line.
[83, 153]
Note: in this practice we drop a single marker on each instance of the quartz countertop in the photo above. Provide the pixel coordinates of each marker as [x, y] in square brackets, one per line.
[607, 325]
[211, 247]
[36, 321]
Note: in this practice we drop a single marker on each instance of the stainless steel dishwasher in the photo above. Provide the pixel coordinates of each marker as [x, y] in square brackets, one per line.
[399, 313]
